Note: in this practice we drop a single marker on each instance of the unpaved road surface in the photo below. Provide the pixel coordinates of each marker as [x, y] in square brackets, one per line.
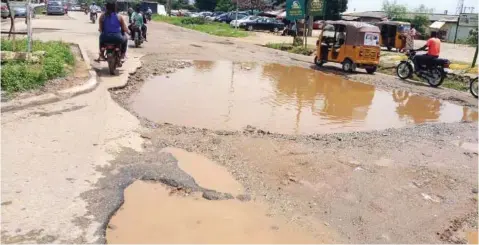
[64, 174]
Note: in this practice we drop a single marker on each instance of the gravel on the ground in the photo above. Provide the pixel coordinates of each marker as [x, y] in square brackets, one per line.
[391, 186]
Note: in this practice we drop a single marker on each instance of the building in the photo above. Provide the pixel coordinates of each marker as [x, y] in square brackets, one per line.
[444, 24]
[368, 16]
[377, 16]
[450, 30]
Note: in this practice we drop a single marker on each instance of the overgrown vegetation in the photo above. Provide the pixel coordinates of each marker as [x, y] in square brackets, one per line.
[21, 75]
[291, 48]
[193, 21]
[199, 24]
[40, 10]
[471, 39]
[448, 81]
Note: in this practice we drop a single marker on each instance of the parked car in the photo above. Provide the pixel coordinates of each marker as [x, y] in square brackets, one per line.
[5, 12]
[263, 24]
[214, 15]
[228, 17]
[75, 8]
[237, 23]
[55, 7]
[20, 11]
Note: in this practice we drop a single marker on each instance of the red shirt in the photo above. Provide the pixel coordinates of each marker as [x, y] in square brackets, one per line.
[434, 45]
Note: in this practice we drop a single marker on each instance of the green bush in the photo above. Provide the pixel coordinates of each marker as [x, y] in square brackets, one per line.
[198, 24]
[20, 76]
[40, 10]
[193, 21]
[298, 41]
[280, 46]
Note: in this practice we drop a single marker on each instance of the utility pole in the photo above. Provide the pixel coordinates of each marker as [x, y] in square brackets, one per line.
[457, 27]
[29, 25]
[474, 59]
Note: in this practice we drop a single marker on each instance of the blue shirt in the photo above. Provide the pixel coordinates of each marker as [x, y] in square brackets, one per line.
[111, 23]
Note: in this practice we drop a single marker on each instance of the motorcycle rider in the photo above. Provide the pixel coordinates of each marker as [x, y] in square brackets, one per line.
[433, 46]
[137, 20]
[144, 28]
[130, 12]
[94, 9]
[112, 28]
[149, 12]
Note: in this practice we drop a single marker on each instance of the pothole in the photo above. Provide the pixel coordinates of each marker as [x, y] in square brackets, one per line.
[154, 213]
[206, 173]
[224, 95]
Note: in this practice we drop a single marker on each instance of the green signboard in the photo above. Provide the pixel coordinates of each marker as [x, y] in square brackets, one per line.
[295, 9]
[315, 7]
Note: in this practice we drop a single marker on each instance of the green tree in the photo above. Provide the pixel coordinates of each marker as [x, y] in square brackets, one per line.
[394, 10]
[420, 22]
[180, 4]
[472, 39]
[224, 5]
[334, 8]
[208, 5]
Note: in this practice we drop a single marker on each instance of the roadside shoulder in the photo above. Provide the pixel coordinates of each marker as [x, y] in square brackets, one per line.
[88, 86]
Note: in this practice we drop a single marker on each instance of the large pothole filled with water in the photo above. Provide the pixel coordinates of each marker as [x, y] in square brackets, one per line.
[157, 213]
[224, 95]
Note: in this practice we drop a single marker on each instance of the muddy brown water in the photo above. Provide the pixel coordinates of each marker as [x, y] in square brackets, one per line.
[229, 96]
[155, 213]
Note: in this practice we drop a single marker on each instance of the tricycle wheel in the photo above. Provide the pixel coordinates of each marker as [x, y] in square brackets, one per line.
[371, 70]
[318, 62]
[348, 65]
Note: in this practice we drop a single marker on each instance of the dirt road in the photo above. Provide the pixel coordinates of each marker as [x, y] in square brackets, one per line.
[63, 176]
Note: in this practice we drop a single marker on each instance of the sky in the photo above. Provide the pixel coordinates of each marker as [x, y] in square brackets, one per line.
[438, 5]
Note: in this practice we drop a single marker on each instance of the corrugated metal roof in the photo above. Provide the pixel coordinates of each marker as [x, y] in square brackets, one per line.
[382, 14]
[437, 25]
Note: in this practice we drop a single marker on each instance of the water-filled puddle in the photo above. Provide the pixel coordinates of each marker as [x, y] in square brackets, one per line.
[154, 213]
[229, 95]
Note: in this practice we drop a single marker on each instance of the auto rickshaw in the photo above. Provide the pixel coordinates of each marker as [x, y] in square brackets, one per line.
[353, 44]
[391, 33]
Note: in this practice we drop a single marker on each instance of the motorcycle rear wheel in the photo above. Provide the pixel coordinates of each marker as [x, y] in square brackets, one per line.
[111, 59]
[437, 77]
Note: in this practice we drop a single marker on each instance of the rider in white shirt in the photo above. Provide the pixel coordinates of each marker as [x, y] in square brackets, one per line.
[94, 8]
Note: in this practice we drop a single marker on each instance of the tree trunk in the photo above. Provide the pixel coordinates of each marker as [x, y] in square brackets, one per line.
[12, 22]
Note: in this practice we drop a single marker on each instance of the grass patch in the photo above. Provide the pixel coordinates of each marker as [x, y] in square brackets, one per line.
[463, 66]
[22, 76]
[40, 10]
[448, 82]
[212, 28]
[292, 49]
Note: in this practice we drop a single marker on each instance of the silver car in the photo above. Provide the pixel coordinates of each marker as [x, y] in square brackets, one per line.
[20, 11]
[55, 7]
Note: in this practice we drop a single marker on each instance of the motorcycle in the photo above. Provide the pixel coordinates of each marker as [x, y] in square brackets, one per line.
[136, 36]
[112, 54]
[93, 17]
[148, 16]
[473, 87]
[433, 72]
